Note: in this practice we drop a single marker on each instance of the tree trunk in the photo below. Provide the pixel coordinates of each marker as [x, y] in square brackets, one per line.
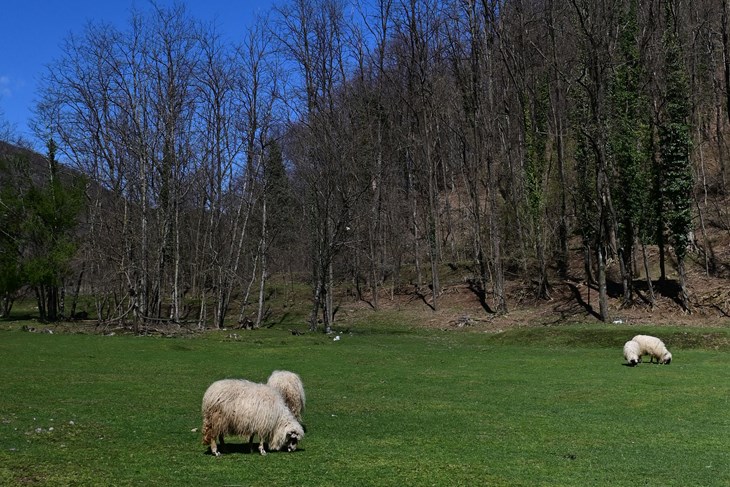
[375, 246]
[221, 299]
[726, 54]
[6, 305]
[203, 309]
[316, 299]
[624, 259]
[41, 301]
[414, 223]
[246, 294]
[329, 299]
[649, 284]
[77, 288]
[720, 141]
[500, 303]
[683, 294]
[262, 257]
[602, 290]
[176, 293]
[433, 219]
[543, 286]
[556, 105]
[143, 281]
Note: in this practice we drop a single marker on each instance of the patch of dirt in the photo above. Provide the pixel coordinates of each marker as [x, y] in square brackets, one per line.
[572, 300]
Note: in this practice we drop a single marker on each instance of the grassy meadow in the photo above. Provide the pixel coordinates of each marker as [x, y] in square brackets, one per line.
[386, 406]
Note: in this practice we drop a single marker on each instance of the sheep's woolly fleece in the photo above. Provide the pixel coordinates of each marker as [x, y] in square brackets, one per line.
[632, 352]
[291, 389]
[241, 407]
[653, 346]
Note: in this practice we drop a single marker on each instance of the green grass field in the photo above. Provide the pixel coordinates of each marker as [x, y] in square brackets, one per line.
[548, 406]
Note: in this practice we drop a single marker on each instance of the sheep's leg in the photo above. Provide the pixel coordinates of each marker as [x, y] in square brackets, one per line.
[214, 447]
[250, 443]
[262, 450]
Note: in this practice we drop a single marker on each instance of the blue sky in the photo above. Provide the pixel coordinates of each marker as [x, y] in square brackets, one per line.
[33, 30]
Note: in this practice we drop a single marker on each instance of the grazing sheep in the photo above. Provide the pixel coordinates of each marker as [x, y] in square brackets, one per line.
[241, 407]
[654, 347]
[291, 389]
[632, 352]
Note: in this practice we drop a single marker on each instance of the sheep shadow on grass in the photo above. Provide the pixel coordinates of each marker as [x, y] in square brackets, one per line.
[239, 448]
[640, 363]
[245, 448]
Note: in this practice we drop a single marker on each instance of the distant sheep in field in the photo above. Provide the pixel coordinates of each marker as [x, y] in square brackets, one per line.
[632, 352]
[291, 389]
[654, 347]
[244, 408]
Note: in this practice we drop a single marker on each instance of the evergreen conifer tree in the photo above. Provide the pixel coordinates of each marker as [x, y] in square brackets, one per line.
[50, 221]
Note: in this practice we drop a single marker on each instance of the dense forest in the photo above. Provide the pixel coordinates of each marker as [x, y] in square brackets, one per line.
[371, 143]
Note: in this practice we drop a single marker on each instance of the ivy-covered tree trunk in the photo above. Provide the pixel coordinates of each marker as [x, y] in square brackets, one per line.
[535, 163]
[597, 24]
[628, 136]
[675, 142]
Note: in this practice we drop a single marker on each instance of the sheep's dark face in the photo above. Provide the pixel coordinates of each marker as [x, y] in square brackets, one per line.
[667, 359]
[292, 440]
[633, 362]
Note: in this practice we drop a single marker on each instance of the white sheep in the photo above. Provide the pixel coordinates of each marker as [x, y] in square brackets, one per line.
[654, 347]
[632, 352]
[291, 389]
[241, 407]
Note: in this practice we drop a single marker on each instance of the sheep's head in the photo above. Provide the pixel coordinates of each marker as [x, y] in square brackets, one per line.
[633, 362]
[667, 358]
[287, 436]
[292, 439]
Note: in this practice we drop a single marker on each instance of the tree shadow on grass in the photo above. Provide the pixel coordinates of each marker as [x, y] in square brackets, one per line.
[667, 288]
[476, 288]
[579, 299]
[423, 298]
